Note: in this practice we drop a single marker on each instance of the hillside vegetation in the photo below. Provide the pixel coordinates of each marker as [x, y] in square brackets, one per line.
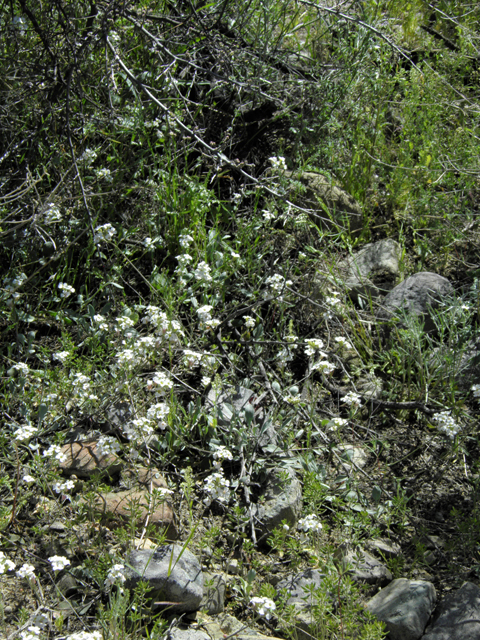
[161, 248]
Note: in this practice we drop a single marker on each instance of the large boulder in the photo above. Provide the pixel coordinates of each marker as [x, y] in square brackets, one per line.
[405, 606]
[458, 616]
[173, 574]
[416, 295]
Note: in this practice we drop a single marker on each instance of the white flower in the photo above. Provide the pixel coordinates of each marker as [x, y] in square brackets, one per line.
[32, 633]
[277, 284]
[28, 479]
[88, 156]
[202, 272]
[115, 575]
[22, 368]
[184, 260]
[447, 424]
[104, 233]
[160, 383]
[108, 445]
[218, 488]
[191, 358]
[310, 523]
[26, 571]
[65, 290]
[476, 390]
[85, 635]
[263, 606]
[249, 322]
[61, 356]
[343, 342]
[59, 562]
[148, 243]
[313, 345]
[125, 322]
[101, 322]
[139, 429]
[221, 454]
[352, 399]
[185, 240]
[5, 563]
[286, 527]
[323, 366]
[337, 423]
[25, 433]
[268, 215]
[159, 412]
[204, 312]
[52, 214]
[55, 452]
[278, 163]
[60, 487]
[104, 174]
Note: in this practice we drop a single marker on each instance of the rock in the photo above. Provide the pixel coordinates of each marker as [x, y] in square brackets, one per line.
[281, 500]
[67, 585]
[405, 606]
[233, 567]
[116, 508]
[84, 459]
[363, 566]
[298, 587]
[173, 574]
[416, 295]
[120, 414]
[354, 454]
[372, 271]
[229, 403]
[385, 548]
[187, 634]
[214, 591]
[458, 616]
[224, 625]
[329, 205]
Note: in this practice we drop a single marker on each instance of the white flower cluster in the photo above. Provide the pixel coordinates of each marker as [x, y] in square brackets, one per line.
[5, 563]
[277, 284]
[32, 633]
[108, 445]
[104, 233]
[65, 290]
[476, 391]
[217, 487]
[61, 356]
[160, 384]
[447, 424]
[55, 452]
[203, 272]
[313, 345]
[63, 487]
[185, 240]
[205, 318]
[158, 413]
[100, 322]
[249, 322]
[352, 399]
[85, 635]
[52, 214]
[26, 571]
[104, 174]
[337, 423]
[220, 454]
[88, 156]
[169, 330]
[310, 523]
[263, 606]
[191, 359]
[324, 367]
[82, 387]
[278, 163]
[59, 562]
[10, 286]
[115, 575]
[139, 429]
[343, 342]
[124, 323]
[25, 432]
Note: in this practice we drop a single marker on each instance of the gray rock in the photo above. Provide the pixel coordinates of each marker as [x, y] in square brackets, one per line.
[416, 295]
[329, 205]
[362, 566]
[187, 634]
[405, 606]
[281, 500]
[173, 574]
[386, 548]
[372, 271]
[355, 454]
[225, 625]
[299, 587]
[213, 601]
[458, 616]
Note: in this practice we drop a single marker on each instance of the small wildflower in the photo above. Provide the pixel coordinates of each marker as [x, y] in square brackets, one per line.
[202, 272]
[59, 562]
[312, 346]
[337, 423]
[204, 312]
[158, 413]
[5, 564]
[60, 487]
[324, 367]
[55, 452]
[31, 633]
[286, 527]
[476, 390]
[108, 445]
[22, 368]
[115, 575]
[343, 342]
[310, 523]
[61, 356]
[278, 163]
[249, 322]
[160, 383]
[446, 423]
[28, 479]
[218, 488]
[352, 399]
[263, 606]
[185, 240]
[26, 571]
[25, 433]
[220, 454]
[85, 635]
[277, 284]
[65, 290]
[104, 174]
[104, 233]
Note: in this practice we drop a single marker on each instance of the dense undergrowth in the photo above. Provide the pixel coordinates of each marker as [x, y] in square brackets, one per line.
[154, 252]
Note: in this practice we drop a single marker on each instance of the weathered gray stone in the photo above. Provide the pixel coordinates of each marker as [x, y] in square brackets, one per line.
[299, 587]
[372, 271]
[329, 205]
[173, 574]
[405, 606]
[213, 601]
[458, 616]
[416, 295]
[363, 566]
[281, 500]
[187, 634]
[386, 548]
[225, 625]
